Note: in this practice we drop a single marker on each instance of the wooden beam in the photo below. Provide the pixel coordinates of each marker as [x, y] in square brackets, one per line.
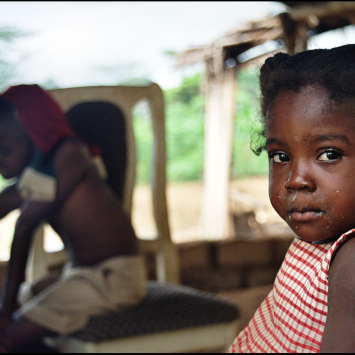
[255, 32]
[193, 55]
[329, 8]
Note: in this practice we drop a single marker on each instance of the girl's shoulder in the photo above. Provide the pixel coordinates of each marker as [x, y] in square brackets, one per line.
[339, 330]
[343, 256]
[344, 243]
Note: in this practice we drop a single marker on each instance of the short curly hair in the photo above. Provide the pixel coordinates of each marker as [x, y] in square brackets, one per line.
[332, 69]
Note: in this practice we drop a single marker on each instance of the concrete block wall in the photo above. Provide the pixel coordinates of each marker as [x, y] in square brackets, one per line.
[230, 264]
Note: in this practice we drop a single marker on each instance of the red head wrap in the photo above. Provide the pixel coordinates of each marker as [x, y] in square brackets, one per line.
[40, 116]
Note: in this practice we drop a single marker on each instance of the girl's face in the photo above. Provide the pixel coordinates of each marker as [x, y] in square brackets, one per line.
[15, 149]
[311, 146]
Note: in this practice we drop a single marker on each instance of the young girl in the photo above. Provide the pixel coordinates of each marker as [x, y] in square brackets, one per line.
[308, 109]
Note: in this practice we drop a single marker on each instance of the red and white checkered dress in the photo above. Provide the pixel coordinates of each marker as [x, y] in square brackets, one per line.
[293, 315]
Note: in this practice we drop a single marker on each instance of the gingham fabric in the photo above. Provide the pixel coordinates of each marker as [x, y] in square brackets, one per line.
[293, 315]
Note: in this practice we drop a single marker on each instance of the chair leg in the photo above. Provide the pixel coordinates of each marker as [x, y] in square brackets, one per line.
[168, 268]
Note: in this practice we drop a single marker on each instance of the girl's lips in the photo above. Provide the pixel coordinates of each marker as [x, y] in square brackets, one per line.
[304, 216]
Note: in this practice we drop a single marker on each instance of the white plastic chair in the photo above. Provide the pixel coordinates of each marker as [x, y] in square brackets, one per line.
[125, 97]
[173, 318]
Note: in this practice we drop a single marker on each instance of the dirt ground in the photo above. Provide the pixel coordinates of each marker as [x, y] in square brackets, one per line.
[184, 204]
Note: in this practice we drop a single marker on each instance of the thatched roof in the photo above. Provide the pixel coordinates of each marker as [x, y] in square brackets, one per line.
[312, 17]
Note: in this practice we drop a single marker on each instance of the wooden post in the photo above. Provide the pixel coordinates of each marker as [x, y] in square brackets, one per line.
[294, 33]
[302, 37]
[219, 122]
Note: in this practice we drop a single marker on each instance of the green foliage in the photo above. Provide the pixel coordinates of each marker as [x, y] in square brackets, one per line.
[144, 138]
[184, 135]
[189, 89]
[8, 35]
[184, 130]
[244, 161]
[184, 108]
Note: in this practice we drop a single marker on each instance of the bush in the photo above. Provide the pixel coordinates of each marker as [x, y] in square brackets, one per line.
[244, 161]
[184, 108]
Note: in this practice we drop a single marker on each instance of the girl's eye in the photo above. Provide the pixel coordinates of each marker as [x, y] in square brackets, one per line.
[279, 157]
[329, 155]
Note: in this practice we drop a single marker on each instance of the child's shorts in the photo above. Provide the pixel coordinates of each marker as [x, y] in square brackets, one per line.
[80, 292]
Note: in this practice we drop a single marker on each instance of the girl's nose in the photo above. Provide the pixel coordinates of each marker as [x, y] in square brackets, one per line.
[300, 178]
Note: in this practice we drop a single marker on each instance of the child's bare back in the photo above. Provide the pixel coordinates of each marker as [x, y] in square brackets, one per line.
[88, 216]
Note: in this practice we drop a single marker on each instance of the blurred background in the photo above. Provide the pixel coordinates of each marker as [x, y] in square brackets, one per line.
[105, 43]
[67, 44]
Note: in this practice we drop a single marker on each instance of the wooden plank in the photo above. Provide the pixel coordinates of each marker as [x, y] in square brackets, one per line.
[326, 9]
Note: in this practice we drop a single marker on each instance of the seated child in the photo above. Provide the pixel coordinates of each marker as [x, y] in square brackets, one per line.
[56, 180]
[308, 109]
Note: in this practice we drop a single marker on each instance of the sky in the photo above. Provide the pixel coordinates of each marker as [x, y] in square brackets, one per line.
[100, 43]
[104, 43]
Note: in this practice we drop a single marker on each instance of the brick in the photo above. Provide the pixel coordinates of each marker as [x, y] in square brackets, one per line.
[212, 280]
[244, 253]
[194, 255]
[261, 276]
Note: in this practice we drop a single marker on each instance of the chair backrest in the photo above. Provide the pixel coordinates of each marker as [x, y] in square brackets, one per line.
[117, 100]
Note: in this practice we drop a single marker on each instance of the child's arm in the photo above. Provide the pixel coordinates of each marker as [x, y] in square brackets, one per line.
[72, 163]
[10, 200]
[339, 333]
[30, 217]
